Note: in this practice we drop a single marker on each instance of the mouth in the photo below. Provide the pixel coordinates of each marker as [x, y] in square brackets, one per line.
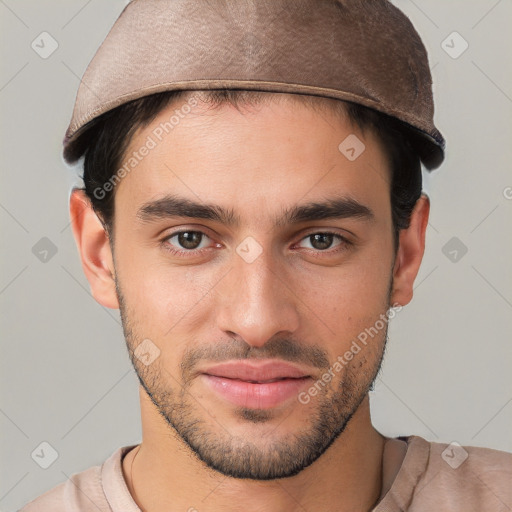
[256, 385]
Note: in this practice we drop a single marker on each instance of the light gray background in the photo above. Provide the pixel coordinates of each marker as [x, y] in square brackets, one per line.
[65, 375]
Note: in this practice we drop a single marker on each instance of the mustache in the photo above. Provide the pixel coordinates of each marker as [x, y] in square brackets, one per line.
[278, 348]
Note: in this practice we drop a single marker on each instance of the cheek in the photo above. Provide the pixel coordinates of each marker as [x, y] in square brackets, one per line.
[164, 300]
[344, 301]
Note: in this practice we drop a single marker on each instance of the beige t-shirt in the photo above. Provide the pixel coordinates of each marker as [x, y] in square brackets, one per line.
[418, 476]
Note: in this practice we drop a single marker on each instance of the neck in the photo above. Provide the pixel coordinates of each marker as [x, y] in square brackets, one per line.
[166, 475]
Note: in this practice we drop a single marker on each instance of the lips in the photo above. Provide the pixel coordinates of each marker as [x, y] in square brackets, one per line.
[256, 372]
[256, 385]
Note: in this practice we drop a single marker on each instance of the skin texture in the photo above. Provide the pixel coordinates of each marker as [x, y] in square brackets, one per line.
[294, 302]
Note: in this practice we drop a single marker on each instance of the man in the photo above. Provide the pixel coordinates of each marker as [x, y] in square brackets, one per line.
[252, 204]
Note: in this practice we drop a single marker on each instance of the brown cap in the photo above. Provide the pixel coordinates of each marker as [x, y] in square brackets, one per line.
[362, 51]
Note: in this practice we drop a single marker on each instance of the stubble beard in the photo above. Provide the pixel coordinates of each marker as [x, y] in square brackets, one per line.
[241, 458]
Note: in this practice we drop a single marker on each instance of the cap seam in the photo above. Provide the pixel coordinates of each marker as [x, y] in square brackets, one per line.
[369, 102]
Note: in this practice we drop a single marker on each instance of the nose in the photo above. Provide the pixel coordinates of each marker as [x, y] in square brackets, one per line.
[256, 301]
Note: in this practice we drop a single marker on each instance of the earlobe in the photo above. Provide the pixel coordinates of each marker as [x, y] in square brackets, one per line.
[410, 253]
[94, 249]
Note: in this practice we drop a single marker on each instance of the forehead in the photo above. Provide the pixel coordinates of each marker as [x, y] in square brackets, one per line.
[254, 158]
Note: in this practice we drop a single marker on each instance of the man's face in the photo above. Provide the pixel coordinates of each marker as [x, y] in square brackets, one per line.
[250, 307]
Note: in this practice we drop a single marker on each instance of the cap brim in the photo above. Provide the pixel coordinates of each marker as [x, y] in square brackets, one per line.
[429, 148]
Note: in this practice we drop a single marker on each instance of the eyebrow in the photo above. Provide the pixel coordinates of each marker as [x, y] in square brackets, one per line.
[172, 206]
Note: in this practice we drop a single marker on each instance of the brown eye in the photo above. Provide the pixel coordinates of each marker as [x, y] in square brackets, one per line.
[187, 240]
[322, 241]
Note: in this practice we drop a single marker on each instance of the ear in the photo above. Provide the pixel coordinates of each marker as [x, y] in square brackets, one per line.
[410, 253]
[94, 249]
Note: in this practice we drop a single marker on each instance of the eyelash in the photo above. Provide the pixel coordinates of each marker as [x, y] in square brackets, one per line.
[343, 246]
